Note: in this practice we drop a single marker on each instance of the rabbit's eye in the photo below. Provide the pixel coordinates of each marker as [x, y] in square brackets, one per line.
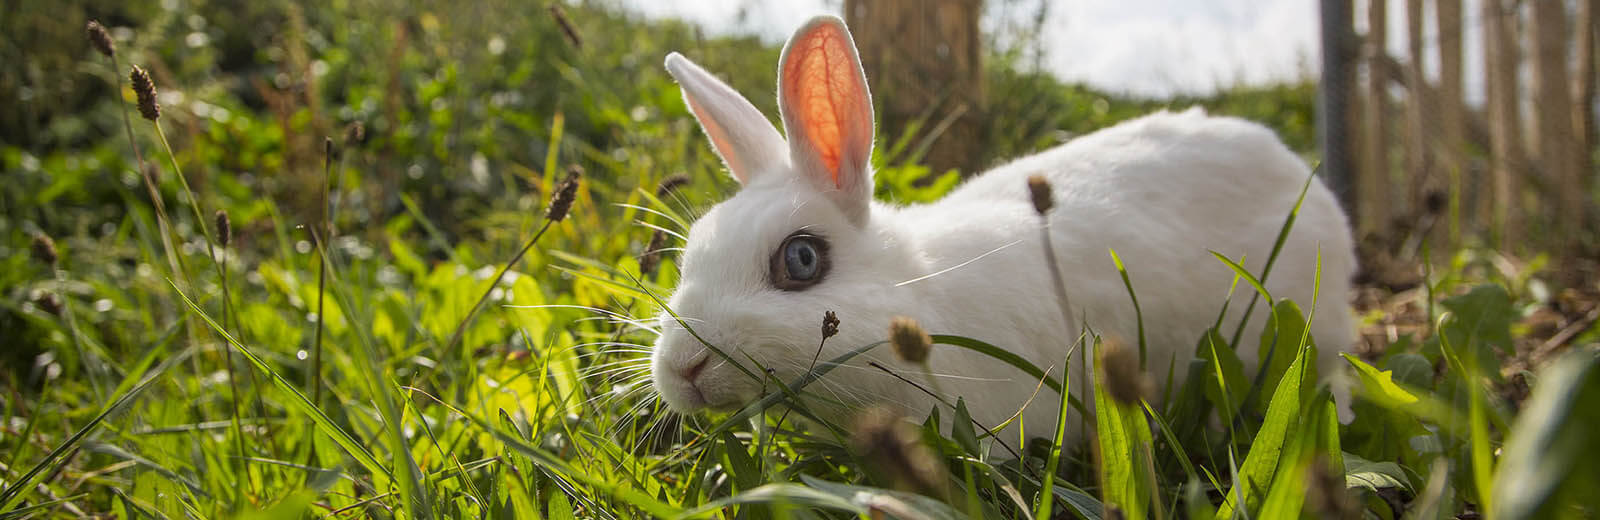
[800, 262]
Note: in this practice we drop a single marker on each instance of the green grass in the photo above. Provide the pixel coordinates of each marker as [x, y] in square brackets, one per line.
[448, 351]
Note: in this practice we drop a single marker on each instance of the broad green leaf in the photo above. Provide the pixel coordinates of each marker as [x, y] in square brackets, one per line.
[1280, 341]
[1318, 436]
[1283, 417]
[1226, 386]
[1124, 438]
[560, 507]
[1366, 474]
[1548, 464]
[962, 431]
[1378, 386]
[1411, 369]
[1480, 324]
[739, 463]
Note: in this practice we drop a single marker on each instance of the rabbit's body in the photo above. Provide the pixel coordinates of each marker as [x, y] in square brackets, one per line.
[804, 236]
[1162, 191]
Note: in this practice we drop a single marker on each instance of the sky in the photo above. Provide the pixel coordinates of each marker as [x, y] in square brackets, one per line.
[1154, 48]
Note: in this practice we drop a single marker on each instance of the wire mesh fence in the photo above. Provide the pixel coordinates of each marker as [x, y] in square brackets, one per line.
[1452, 122]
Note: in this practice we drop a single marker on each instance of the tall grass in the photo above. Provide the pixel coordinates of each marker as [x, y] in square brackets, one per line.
[454, 350]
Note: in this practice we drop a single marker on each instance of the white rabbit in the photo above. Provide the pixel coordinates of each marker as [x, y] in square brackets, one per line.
[804, 236]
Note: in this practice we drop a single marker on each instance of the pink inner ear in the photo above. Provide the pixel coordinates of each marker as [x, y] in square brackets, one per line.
[719, 139]
[825, 89]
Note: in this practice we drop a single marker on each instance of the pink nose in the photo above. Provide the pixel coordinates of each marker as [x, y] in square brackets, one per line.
[693, 371]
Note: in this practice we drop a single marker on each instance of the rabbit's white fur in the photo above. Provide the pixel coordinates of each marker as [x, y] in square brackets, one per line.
[1162, 191]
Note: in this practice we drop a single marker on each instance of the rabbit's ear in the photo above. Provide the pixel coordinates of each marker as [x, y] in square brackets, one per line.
[827, 113]
[743, 137]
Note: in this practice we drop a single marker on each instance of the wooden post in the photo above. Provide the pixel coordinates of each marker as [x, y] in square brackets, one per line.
[1550, 139]
[1452, 155]
[1585, 25]
[1337, 99]
[1375, 185]
[924, 59]
[1419, 112]
[1501, 57]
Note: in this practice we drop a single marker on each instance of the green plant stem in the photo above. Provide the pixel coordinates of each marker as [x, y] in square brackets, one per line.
[316, 344]
[461, 329]
[326, 223]
[173, 259]
[194, 203]
[233, 382]
[211, 252]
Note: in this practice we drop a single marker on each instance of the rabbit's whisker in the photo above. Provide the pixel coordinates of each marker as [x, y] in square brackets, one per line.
[958, 266]
[662, 214]
[674, 234]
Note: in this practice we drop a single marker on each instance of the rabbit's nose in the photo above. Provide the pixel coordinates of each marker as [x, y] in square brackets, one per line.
[693, 371]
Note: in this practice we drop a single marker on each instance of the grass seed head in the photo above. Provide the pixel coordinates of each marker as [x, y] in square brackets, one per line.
[224, 228]
[561, 199]
[354, 133]
[48, 301]
[1039, 191]
[44, 250]
[566, 26]
[671, 183]
[146, 92]
[651, 259]
[893, 449]
[830, 324]
[1120, 373]
[100, 39]
[911, 343]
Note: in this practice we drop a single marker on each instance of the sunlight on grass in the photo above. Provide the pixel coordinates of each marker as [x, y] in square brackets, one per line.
[423, 339]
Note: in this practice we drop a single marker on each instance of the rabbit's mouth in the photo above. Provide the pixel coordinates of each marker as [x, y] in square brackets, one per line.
[702, 383]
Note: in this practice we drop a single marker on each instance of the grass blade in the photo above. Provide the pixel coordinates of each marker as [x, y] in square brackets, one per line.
[297, 400]
[16, 491]
[1266, 451]
[1138, 314]
[1047, 489]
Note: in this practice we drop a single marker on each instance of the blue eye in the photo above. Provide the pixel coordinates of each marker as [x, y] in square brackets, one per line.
[801, 257]
[800, 262]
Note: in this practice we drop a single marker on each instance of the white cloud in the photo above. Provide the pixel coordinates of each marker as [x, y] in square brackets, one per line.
[1142, 47]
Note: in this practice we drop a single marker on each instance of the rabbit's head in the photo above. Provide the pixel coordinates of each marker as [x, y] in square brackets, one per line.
[798, 239]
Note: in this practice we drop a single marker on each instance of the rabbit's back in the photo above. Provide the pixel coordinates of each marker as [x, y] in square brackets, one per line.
[1164, 191]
